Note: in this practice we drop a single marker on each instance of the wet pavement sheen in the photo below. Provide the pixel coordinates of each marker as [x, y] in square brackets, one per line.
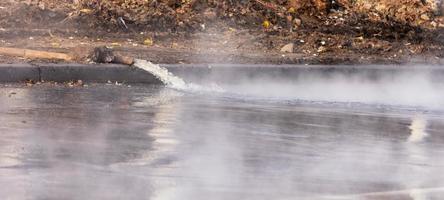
[149, 142]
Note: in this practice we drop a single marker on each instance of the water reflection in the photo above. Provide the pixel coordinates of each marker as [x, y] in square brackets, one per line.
[417, 157]
[71, 140]
[418, 129]
[107, 142]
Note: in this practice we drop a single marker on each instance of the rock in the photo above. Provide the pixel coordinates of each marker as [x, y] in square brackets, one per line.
[288, 48]
[297, 22]
[425, 17]
[322, 49]
[103, 55]
[106, 55]
[433, 24]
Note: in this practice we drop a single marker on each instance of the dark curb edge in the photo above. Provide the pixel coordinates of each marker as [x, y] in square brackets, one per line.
[100, 73]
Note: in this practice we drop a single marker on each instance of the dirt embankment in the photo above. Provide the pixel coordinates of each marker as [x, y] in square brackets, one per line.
[225, 31]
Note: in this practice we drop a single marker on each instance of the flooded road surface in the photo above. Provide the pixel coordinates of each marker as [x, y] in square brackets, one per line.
[149, 142]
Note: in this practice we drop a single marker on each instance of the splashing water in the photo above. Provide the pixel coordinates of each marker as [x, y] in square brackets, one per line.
[161, 73]
[172, 81]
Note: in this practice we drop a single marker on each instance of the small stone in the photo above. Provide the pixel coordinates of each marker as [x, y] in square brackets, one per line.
[434, 24]
[288, 48]
[425, 17]
[322, 49]
[297, 22]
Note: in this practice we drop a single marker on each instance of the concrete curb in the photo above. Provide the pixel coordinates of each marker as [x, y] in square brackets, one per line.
[18, 72]
[95, 73]
[101, 73]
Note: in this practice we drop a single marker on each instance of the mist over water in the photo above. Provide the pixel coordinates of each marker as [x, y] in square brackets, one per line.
[157, 143]
[170, 143]
[415, 89]
[388, 155]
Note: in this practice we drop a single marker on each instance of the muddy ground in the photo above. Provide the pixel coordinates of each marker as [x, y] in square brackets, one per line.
[335, 38]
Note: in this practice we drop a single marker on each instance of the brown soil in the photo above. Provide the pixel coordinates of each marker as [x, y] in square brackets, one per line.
[336, 37]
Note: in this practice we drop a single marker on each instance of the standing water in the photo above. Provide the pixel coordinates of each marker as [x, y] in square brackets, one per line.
[151, 142]
[157, 143]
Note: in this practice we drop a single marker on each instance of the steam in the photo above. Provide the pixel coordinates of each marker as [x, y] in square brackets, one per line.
[214, 165]
[412, 89]
[402, 90]
[203, 168]
[416, 89]
[162, 144]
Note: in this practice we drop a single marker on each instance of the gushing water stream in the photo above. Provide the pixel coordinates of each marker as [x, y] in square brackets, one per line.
[162, 74]
[172, 81]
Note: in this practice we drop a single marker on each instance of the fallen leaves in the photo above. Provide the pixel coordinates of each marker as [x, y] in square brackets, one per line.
[414, 12]
[266, 24]
[272, 15]
[148, 42]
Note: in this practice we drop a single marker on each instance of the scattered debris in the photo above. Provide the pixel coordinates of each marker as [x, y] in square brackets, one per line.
[413, 12]
[322, 49]
[341, 29]
[122, 22]
[78, 83]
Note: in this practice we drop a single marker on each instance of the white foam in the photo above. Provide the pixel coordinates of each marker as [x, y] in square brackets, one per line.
[161, 73]
[172, 81]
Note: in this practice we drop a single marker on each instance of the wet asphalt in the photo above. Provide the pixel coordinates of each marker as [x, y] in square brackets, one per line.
[150, 142]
